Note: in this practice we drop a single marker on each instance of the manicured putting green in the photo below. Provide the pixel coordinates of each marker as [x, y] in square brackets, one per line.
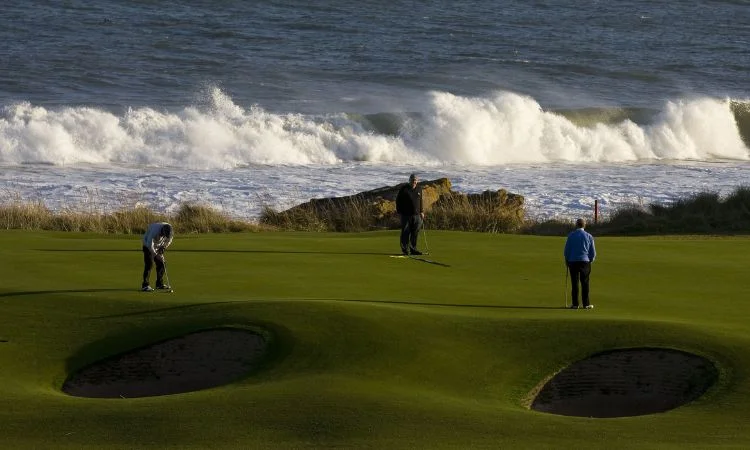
[366, 350]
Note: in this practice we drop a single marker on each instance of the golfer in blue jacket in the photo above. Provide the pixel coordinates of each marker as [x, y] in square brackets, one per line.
[579, 254]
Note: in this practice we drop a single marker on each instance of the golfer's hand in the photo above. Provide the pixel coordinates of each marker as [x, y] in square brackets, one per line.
[422, 214]
[160, 250]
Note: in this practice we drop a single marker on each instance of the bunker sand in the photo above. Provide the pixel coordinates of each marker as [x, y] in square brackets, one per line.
[628, 382]
[192, 362]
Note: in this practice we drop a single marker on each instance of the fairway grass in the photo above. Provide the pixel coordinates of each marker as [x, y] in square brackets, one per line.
[368, 351]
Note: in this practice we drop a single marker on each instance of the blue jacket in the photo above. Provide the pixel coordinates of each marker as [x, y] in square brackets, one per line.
[579, 246]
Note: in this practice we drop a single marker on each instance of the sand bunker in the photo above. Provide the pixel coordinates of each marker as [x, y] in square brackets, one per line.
[630, 382]
[192, 362]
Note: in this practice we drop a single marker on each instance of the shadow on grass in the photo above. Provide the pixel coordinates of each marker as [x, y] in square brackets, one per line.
[63, 291]
[450, 305]
[430, 261]
[292, 252]
[219, 251]
[337, 300]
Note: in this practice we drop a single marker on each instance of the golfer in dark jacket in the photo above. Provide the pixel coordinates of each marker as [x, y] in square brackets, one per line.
[579, 254]
[409, 207]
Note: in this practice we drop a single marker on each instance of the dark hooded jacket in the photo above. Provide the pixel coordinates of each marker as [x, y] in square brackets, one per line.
[409, 201]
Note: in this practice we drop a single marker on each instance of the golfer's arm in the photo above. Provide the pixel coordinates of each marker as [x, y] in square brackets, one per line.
[151, 247]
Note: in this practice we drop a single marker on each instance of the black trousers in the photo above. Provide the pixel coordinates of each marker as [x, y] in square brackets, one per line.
[148, 263]
[579, 273]
[410, 226]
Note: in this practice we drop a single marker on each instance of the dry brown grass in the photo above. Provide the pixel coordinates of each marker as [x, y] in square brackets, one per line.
[456, 212]
[190, 218]
[702, 213]
[477, 213]
[699, 214]
[344, 215]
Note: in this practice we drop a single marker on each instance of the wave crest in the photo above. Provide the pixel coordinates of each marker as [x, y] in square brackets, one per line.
[500, 129]
[741, 112]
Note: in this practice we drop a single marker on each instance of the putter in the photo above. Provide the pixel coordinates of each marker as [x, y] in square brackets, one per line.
[566, 287]
[424, 236]
[166, 277]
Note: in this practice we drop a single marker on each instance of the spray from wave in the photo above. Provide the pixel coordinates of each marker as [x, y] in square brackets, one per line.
[502, 129]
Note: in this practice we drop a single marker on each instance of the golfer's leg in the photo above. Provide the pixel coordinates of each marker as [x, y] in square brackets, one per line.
[575, 276]
[585, 273]
[147, 264]
[414, 225]
[404, 238]
[159, 272]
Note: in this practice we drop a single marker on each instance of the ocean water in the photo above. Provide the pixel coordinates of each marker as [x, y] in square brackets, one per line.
[239, 105]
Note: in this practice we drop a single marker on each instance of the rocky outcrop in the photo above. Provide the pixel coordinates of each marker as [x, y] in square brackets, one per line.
[376, 209]
[380, 202]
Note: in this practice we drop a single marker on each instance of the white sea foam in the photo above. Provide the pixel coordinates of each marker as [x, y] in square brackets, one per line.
[509, 128]
[563, 190]
[241, 159]
[506, 128]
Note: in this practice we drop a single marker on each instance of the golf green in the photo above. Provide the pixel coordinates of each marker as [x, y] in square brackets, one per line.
[365, 350]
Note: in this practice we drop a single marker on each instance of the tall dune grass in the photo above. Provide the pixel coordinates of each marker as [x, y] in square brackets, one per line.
[702, 213]
[190, 218]
[482, 214]
[345, 215]
[454, 212]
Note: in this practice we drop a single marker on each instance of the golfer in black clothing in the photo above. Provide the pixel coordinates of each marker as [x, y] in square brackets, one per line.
[409, 207]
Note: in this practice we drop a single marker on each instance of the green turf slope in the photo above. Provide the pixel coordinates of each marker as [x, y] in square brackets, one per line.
[369, 351]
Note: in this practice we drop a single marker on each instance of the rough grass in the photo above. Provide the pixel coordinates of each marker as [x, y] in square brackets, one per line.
[703, 213]
[347, 215]
[456, 213]
[190, 218]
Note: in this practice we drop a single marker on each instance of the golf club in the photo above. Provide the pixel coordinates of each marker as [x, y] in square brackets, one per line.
[566, 284]
[166, 276]
[424, 236]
